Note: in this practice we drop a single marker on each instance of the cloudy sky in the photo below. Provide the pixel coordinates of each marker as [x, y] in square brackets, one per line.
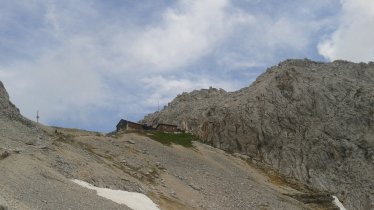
[88, 63]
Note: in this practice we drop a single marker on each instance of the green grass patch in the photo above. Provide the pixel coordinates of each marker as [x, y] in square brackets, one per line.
[183, 139]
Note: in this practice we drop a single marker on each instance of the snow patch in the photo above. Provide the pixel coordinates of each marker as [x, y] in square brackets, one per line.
[136, 201]
[337, 202]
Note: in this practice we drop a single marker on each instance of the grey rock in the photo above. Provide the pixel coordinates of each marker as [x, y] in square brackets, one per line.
[9, 110]
[3, 204]
[7, 107]
[130, 142]
[193, 186]
[4, 154]
[308, 120]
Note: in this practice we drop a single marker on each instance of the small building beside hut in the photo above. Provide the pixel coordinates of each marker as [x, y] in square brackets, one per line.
[128, 125]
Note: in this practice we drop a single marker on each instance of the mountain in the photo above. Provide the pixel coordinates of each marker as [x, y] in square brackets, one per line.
[309, 121]
[44, 167]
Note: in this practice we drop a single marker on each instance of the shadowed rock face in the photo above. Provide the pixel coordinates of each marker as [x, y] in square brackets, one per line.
[310, 121]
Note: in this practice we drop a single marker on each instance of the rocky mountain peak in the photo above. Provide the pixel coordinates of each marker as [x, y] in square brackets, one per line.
[3, 93]
[309, 120]
[7, 108]
[200, 94]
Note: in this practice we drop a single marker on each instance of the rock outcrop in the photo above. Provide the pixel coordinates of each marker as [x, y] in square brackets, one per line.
[308, 120]
[16, 130]
[7, 108]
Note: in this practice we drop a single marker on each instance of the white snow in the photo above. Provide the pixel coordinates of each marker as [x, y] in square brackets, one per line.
[136, 201]
[337, 202]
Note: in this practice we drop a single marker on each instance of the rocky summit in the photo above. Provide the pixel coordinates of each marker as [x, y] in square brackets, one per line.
[7, 108]
[309, 121]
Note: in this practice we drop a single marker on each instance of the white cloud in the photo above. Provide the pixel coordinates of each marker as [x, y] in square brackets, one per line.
[187, 32]
[73, 75]
[164, 89]
[261, 39]
[75, 60]
[286, 33]
[353, 39]
[60, 81]
[63, 78]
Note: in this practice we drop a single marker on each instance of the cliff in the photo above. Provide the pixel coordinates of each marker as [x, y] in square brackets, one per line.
[7, 108]
[308, 120]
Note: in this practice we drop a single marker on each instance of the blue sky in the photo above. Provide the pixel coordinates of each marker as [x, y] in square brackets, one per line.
[89, 63]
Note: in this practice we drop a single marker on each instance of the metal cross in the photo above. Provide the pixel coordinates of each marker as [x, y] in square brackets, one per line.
[37, 116]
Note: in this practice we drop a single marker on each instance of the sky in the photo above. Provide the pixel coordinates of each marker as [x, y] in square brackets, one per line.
[88, 63]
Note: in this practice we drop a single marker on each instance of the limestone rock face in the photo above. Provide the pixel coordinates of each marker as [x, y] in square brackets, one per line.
[308, 120]
[7, 108]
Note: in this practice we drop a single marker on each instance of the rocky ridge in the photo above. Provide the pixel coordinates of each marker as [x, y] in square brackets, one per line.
[38, 164]
[308, 120]
[7, 107]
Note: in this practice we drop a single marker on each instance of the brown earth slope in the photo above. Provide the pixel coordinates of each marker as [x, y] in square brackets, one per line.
[307, 120]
